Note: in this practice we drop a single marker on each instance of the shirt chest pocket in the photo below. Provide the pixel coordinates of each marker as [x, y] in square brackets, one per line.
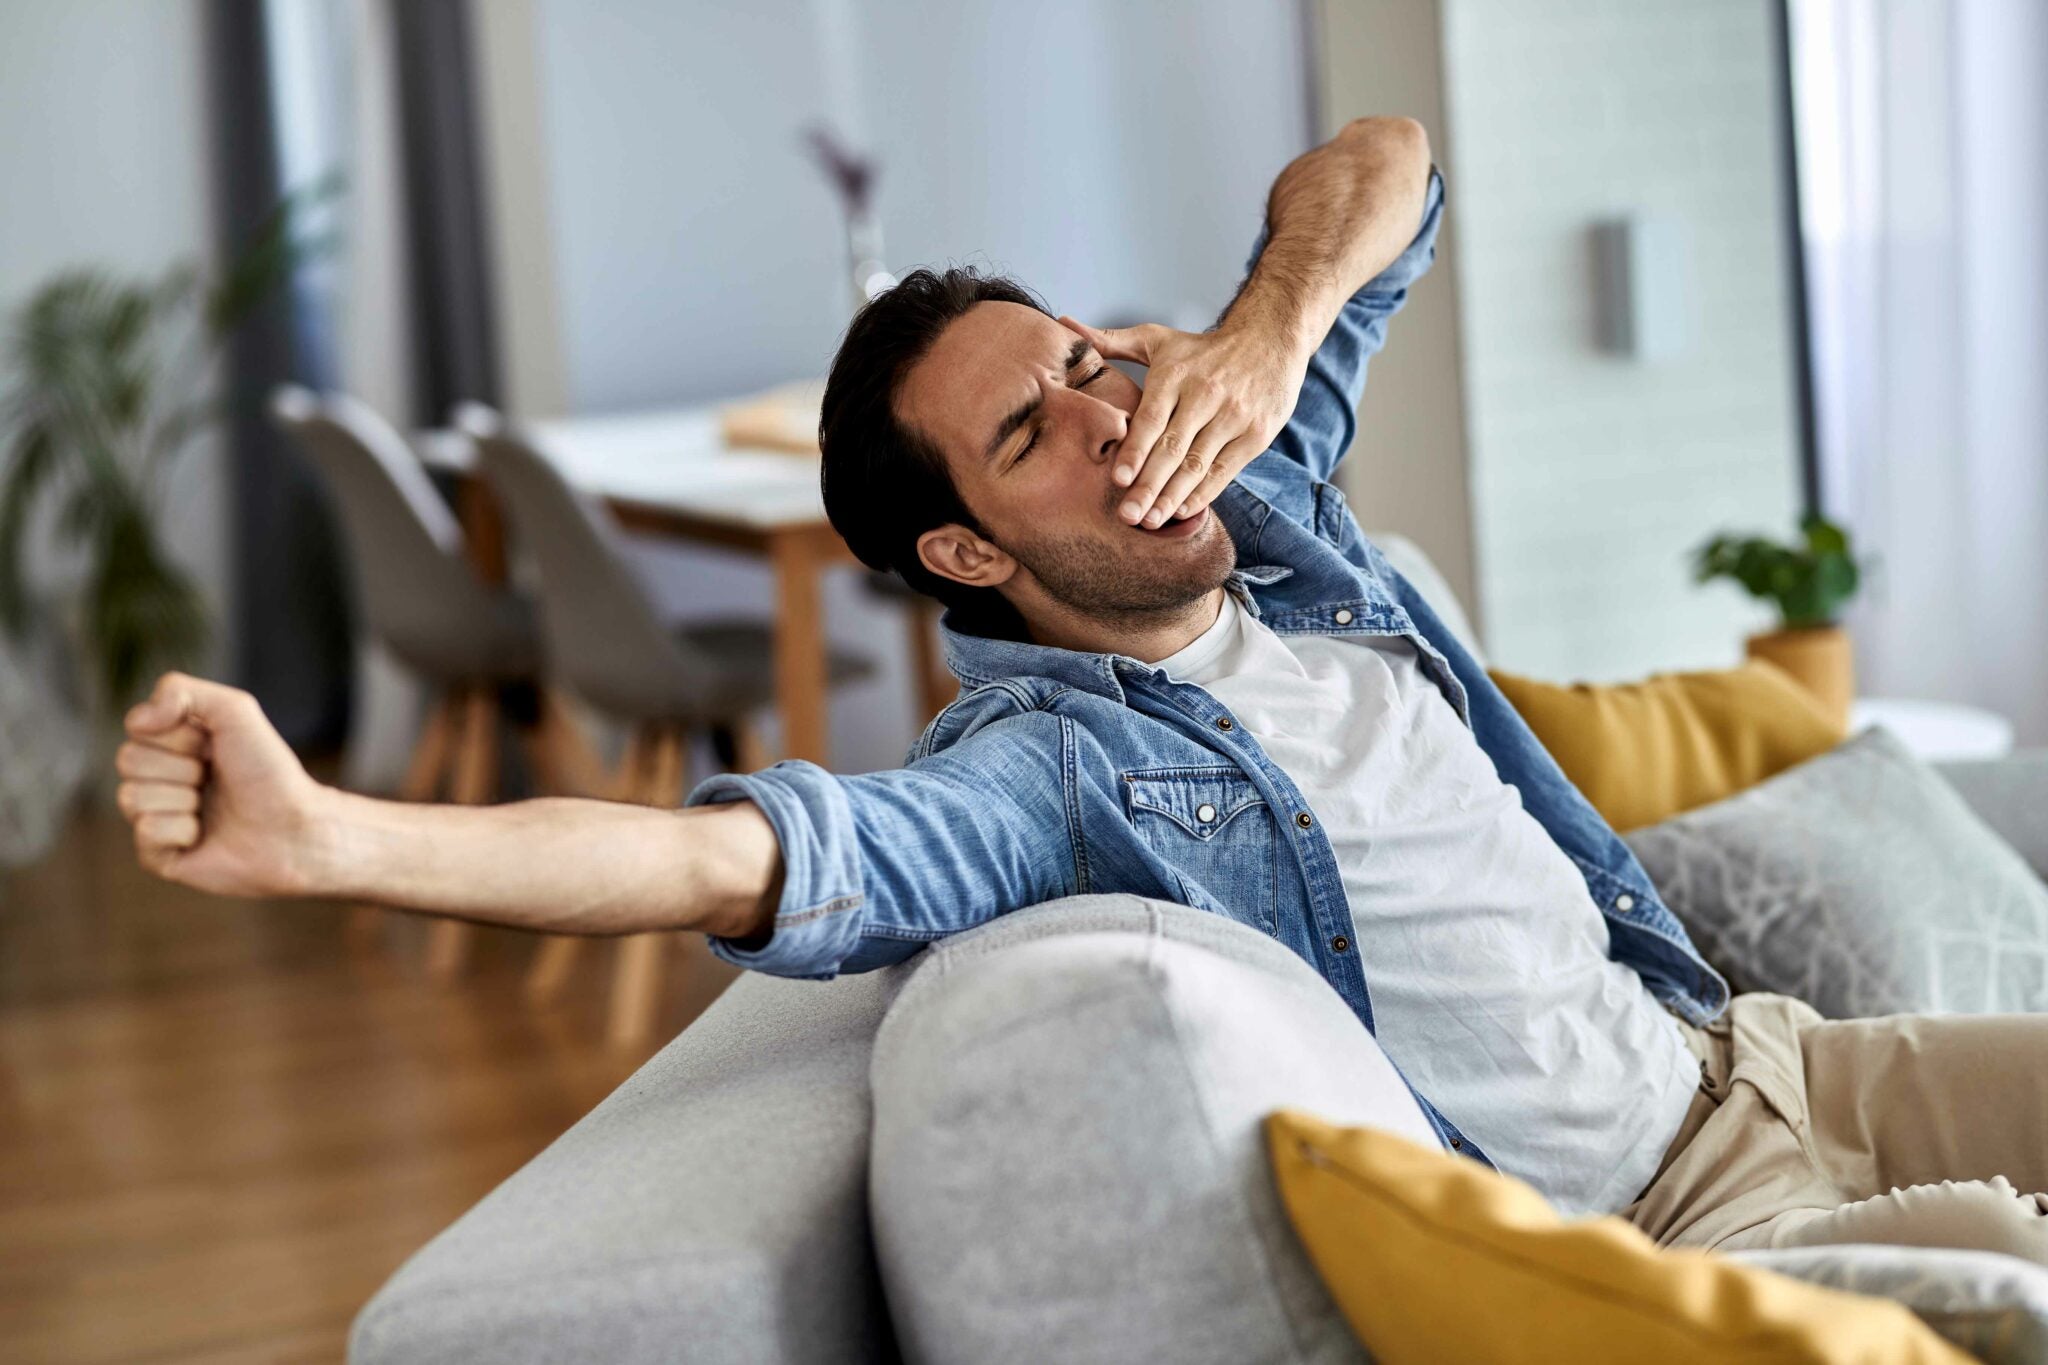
[1214, 830]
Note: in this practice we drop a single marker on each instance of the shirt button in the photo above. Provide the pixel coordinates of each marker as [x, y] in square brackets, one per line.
[1225, 724]
[1340, 944]
[1457, 1143]
[1205, 812]
[1305, 820]
[1624, 902]
[1343, 616]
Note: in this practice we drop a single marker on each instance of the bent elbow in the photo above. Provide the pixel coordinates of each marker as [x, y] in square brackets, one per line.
[1388, 131]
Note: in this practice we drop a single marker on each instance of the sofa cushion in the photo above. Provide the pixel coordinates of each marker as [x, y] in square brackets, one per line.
[1862, 884]
[1067, 1162]
[1410, 1238]
[711, 1209]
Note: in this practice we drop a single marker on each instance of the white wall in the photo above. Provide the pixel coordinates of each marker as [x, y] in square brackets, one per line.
[1593, 475]
[104, 156]
[1114, 157]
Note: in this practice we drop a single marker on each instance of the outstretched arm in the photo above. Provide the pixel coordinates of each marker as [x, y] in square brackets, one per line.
[1336, 218]
[219, 802]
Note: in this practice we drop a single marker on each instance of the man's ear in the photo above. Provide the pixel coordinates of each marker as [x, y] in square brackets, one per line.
[952, 551]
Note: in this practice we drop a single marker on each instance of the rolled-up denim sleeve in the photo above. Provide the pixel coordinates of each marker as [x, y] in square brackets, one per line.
[878, 864]
[818, 920]
[1325, 418]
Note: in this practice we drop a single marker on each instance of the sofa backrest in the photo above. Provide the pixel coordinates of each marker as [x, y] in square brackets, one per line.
[1417, 567]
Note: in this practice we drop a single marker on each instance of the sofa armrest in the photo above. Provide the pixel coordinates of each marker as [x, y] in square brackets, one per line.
[711, 1209]
[2011, 795]
[1069, 1157]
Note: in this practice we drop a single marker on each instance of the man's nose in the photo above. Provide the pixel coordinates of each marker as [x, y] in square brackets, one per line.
[1115, 423]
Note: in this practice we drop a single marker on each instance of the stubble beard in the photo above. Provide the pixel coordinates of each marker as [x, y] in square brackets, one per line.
[1099, 581]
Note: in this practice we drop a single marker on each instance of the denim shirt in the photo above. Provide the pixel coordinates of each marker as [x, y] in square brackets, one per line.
[1058, 772]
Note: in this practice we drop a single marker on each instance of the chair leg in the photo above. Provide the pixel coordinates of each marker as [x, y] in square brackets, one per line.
[664, 789]
[636, 981]
[561, 753]
[556, 958]
[473, 783]
[422, 781]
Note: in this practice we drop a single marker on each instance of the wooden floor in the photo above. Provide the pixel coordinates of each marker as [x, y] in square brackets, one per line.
[221, 1127]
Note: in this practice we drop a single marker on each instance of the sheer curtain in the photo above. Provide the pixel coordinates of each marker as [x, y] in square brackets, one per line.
[1923, 140]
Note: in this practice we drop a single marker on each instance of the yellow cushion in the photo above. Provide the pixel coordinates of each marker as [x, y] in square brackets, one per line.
[1644, 752]
[1434, 1258]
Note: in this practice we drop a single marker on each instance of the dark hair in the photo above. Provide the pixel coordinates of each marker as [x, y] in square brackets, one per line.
[886, 483]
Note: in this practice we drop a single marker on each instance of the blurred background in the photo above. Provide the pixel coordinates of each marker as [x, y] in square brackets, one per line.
[1709, 267]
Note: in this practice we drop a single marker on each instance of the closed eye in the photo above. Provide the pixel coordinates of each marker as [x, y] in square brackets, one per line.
[1100, 370]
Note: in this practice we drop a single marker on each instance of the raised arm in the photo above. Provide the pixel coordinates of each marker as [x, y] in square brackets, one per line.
[1337, 218]
[219, 802]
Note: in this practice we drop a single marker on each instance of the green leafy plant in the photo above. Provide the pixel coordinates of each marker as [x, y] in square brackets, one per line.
[108, 380]
[1810, 582]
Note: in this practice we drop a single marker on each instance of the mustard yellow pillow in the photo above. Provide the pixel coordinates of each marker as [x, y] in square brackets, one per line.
[1434, 1258]
[1644, 752]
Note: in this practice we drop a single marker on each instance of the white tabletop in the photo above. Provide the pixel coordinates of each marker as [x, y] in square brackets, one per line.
[1936, 731]
[672, 458]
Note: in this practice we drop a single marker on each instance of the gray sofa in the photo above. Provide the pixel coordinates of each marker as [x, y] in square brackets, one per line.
[1035, 1141]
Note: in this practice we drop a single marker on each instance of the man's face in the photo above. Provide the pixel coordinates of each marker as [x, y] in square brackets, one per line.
[1028, 417]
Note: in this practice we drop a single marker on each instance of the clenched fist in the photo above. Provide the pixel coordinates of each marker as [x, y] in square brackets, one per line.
[216, 798]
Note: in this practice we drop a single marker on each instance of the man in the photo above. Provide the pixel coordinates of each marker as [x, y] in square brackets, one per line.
[1186, 674]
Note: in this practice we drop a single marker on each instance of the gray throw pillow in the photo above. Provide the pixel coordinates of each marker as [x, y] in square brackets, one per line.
[1860, 883]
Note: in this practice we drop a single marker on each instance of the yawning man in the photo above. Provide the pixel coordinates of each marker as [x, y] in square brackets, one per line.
[1187, 674]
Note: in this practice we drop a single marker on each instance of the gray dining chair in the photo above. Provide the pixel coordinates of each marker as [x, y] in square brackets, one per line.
[419, 595]
[605, 641]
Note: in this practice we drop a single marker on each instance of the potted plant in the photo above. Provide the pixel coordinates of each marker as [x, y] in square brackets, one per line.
[107, 381]
[1809, 583]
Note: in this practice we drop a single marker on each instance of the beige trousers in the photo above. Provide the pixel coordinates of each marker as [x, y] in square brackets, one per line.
[1916, 1130]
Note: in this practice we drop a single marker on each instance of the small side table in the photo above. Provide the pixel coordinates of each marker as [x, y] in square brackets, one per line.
[1937, 731]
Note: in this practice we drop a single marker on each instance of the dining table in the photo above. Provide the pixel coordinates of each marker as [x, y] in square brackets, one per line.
[672, 473]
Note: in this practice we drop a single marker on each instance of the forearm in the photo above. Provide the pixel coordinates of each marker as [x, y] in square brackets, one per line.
[1336, 217]
[559, 865]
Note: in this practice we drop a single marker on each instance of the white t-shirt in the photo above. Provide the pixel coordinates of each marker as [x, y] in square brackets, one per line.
[1484, 952]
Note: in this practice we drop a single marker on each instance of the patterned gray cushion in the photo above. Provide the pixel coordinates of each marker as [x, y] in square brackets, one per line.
[1860, 883]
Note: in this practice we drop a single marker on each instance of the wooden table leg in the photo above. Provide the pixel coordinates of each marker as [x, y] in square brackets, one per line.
[800, 686]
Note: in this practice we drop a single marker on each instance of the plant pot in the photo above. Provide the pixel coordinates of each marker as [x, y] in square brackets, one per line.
[1818, 658]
